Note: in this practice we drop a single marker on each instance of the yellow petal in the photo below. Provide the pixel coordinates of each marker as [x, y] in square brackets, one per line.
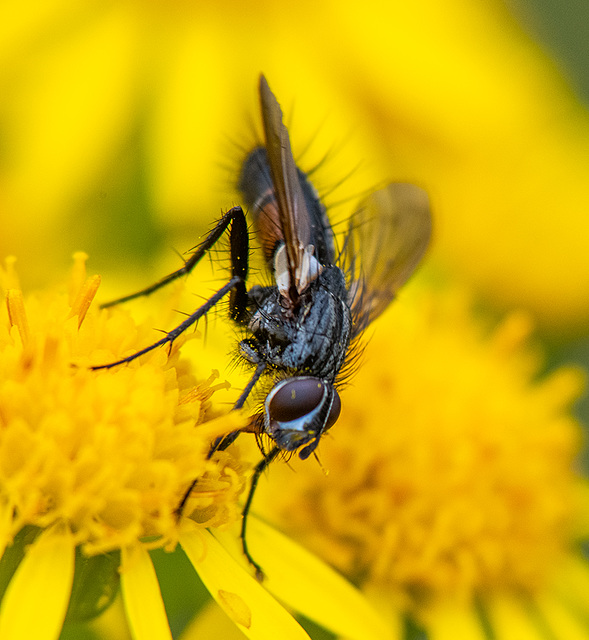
[36, 600]
[572, 584]
[243, 599]
[308, 585]
[448, 620]
[142, 596]
[212, 623]
[511, 617]
[562, 622]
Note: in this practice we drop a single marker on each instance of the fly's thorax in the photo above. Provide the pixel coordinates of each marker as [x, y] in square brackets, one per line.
[313, 340]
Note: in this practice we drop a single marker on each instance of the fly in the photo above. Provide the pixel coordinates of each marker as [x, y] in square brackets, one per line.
[300, 329]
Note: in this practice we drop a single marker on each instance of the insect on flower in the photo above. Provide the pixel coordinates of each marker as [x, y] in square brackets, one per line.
[300, 329]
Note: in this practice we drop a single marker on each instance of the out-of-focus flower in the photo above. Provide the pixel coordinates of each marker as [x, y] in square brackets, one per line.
[120, 113]
[450, 493]
[93, 466]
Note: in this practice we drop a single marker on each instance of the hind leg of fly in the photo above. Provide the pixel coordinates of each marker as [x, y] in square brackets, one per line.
[234, 217]
[238, 301]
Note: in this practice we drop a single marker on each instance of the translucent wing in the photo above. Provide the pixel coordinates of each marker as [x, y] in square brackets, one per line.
[293, 214]
[387, 239]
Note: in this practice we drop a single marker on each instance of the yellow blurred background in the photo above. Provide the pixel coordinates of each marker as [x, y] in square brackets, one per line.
[122, 125]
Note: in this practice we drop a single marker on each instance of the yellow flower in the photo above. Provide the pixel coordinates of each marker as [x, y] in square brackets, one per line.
[450, 493]
[93, 465]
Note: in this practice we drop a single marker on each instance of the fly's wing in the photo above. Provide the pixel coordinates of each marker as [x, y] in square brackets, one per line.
[293, 214]
[387, 239]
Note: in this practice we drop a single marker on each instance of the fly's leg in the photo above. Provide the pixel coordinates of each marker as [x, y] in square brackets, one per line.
[174, 333]
[221, 443]
[239, 245]
[234, 216]
[258, 471]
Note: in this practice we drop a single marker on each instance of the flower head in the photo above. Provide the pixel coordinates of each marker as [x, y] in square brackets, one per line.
[450, 474]
[106, 452]
[98, 460]
[95, 463]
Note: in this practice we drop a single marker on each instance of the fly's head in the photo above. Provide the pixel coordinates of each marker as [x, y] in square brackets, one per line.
[298, 411]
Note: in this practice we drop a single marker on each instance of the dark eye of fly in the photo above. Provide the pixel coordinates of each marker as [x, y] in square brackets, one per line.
[336, 408]
[295, 398]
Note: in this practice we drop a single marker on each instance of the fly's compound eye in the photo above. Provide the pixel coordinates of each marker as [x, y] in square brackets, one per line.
[299, 411]
[334, 412]
[294, 398]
